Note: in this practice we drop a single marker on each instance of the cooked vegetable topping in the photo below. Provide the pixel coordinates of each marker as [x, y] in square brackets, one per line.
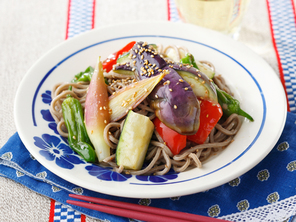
[210, 114]
[185, 119]
[189, 59]
[134, 141]
[230, 105]
[200, 83]
[111, 60]
[175, 141]
[96, 112]
[77, 136]
[143, 84]
[130, 96]
[84, 76]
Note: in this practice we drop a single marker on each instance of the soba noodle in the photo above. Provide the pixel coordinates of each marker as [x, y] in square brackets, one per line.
[159, 159]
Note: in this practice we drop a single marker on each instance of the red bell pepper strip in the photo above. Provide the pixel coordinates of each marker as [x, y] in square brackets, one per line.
[111, 60]
[175, 141]
[210, 113]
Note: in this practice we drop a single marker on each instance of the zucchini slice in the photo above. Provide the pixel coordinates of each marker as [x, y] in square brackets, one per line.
[205, 69]
[200, 86]
[125, 57]
[134, 141]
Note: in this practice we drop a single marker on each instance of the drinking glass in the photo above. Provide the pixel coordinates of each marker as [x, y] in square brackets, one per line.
[221, 15]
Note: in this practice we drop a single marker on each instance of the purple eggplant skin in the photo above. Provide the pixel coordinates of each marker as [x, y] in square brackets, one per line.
[124, 66]
[172, 99]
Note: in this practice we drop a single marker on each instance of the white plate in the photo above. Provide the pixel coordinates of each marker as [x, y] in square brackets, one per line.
[254, 82]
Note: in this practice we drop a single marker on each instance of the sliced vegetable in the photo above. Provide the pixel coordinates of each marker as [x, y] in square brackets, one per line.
[134, 141]
[189, 60]
[130, 96]
[111, 60]
[124, 69]
[175, 141]
[200, 83]
[77, 136]
[208, 71]
[172, 99]
[84, 76]
[210, 114]
[124, 58]
[123, 65]
[230, 105]
[97, 112]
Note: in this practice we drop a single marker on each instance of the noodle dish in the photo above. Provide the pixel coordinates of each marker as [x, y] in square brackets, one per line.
[143, 110]
[147, 109]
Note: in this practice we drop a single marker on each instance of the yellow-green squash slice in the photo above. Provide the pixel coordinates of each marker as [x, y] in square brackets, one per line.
[134, 141]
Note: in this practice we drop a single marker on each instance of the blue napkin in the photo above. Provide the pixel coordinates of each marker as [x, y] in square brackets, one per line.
[271, 182]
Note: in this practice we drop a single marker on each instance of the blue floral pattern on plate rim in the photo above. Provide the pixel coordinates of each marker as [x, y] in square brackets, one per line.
[57, 150]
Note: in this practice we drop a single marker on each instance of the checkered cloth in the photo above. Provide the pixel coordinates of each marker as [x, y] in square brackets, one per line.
[282, 18]
[64, 213]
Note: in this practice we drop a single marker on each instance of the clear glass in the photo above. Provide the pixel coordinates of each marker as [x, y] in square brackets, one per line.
[221, 15]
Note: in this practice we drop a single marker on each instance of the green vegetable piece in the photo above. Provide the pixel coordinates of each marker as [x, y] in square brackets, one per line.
[84, 76]
[134, 141]
[125, 57]
[201, 86]
[77, 135]
[230, 105]
[189, 59]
